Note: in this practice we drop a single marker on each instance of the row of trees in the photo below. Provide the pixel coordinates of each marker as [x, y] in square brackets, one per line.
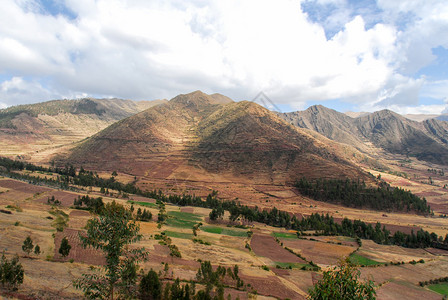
[274, 217]
[353, 193]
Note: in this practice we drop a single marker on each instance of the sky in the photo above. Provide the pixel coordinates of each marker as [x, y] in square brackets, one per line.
[349, 55]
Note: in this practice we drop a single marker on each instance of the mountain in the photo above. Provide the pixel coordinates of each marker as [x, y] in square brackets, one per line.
[373, 132]
[200, 137]
[34, 131]
[420, 117]
[443, 117]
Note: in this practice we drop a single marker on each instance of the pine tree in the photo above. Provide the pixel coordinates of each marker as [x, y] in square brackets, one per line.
[37, 250]
[65, 247]
[27, 246]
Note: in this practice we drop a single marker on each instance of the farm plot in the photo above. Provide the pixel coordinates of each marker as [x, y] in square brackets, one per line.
[401, 290]
[78, 253]
[413, 274]
[65, 198]
[441, 288]
[265, 245]
[182, 219]
[388, 253]
[224, 231]
[319, 252]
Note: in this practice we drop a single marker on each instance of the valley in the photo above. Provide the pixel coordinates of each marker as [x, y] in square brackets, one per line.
[200, 145]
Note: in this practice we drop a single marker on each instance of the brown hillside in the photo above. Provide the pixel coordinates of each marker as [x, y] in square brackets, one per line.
[196, 137]
[36, 131]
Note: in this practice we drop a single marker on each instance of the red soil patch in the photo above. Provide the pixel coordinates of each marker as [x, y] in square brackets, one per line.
[436, 251]
[66, 198]
[319, 252]
[187, 209]
[394, 290]
[23, 187]
[79, 213]
[428, 194]
[77, 252]
[265, 245]
[271, 286]
[280, 272]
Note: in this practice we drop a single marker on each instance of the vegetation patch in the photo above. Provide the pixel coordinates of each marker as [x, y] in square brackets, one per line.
[224, 231]
[182, 219]
[233, 232]
[287, 265]
[441, 288]
[179, 235]
[212, 229]
[148, 204]
[284, 235]
[360, 260]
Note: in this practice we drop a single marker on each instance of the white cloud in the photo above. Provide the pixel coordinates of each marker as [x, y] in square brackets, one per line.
[18, 91]
[157, 49]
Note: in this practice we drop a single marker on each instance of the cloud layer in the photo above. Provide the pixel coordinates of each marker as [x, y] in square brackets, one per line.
[157, 49]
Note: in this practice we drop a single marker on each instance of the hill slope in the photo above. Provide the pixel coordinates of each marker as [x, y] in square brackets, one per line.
[35, 130]
[196, 137]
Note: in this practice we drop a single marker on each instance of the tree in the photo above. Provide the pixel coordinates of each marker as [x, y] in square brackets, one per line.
[11, 272]
[27, 246]
[65, 247]
[37, 250]
[150, 287]
[342, 283]
[112, 231]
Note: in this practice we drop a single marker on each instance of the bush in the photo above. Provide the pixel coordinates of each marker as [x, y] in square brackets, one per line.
[11, 272]
[342, 283]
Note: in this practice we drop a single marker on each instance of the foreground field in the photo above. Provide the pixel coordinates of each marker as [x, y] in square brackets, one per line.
[267, 267]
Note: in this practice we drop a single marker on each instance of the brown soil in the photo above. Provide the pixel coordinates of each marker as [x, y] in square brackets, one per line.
[265, 245]
[78, 253]
[319, 252]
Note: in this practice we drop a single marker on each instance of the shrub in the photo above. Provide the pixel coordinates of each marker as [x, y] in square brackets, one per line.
[11, 272]
[342, 283]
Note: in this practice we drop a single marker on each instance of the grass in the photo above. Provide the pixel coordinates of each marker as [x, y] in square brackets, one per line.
[284, 235]
[148, 204]
[361, 260]
[441, 288]
[212, 229]
[224, 231]
[185, 216]
[179, 235]
[182, 219]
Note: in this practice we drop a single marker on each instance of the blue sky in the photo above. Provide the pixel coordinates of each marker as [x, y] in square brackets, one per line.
[358, 55]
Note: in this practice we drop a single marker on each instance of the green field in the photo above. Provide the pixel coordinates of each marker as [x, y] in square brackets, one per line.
[212, 229]
[441, 288]
[361, 260]
[224, 231]
[182, 219]
[284, 235]
[148, 204]
[180, 235]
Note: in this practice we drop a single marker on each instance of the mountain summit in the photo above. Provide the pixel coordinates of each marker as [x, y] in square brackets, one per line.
[200, 136]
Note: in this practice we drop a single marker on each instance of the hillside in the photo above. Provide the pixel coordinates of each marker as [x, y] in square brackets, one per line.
[382, 130]
[35, 130]
[196, 137]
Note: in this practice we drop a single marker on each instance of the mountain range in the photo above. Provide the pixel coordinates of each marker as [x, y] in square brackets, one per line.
[209, 137]
[383, 130]
[204, 137]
